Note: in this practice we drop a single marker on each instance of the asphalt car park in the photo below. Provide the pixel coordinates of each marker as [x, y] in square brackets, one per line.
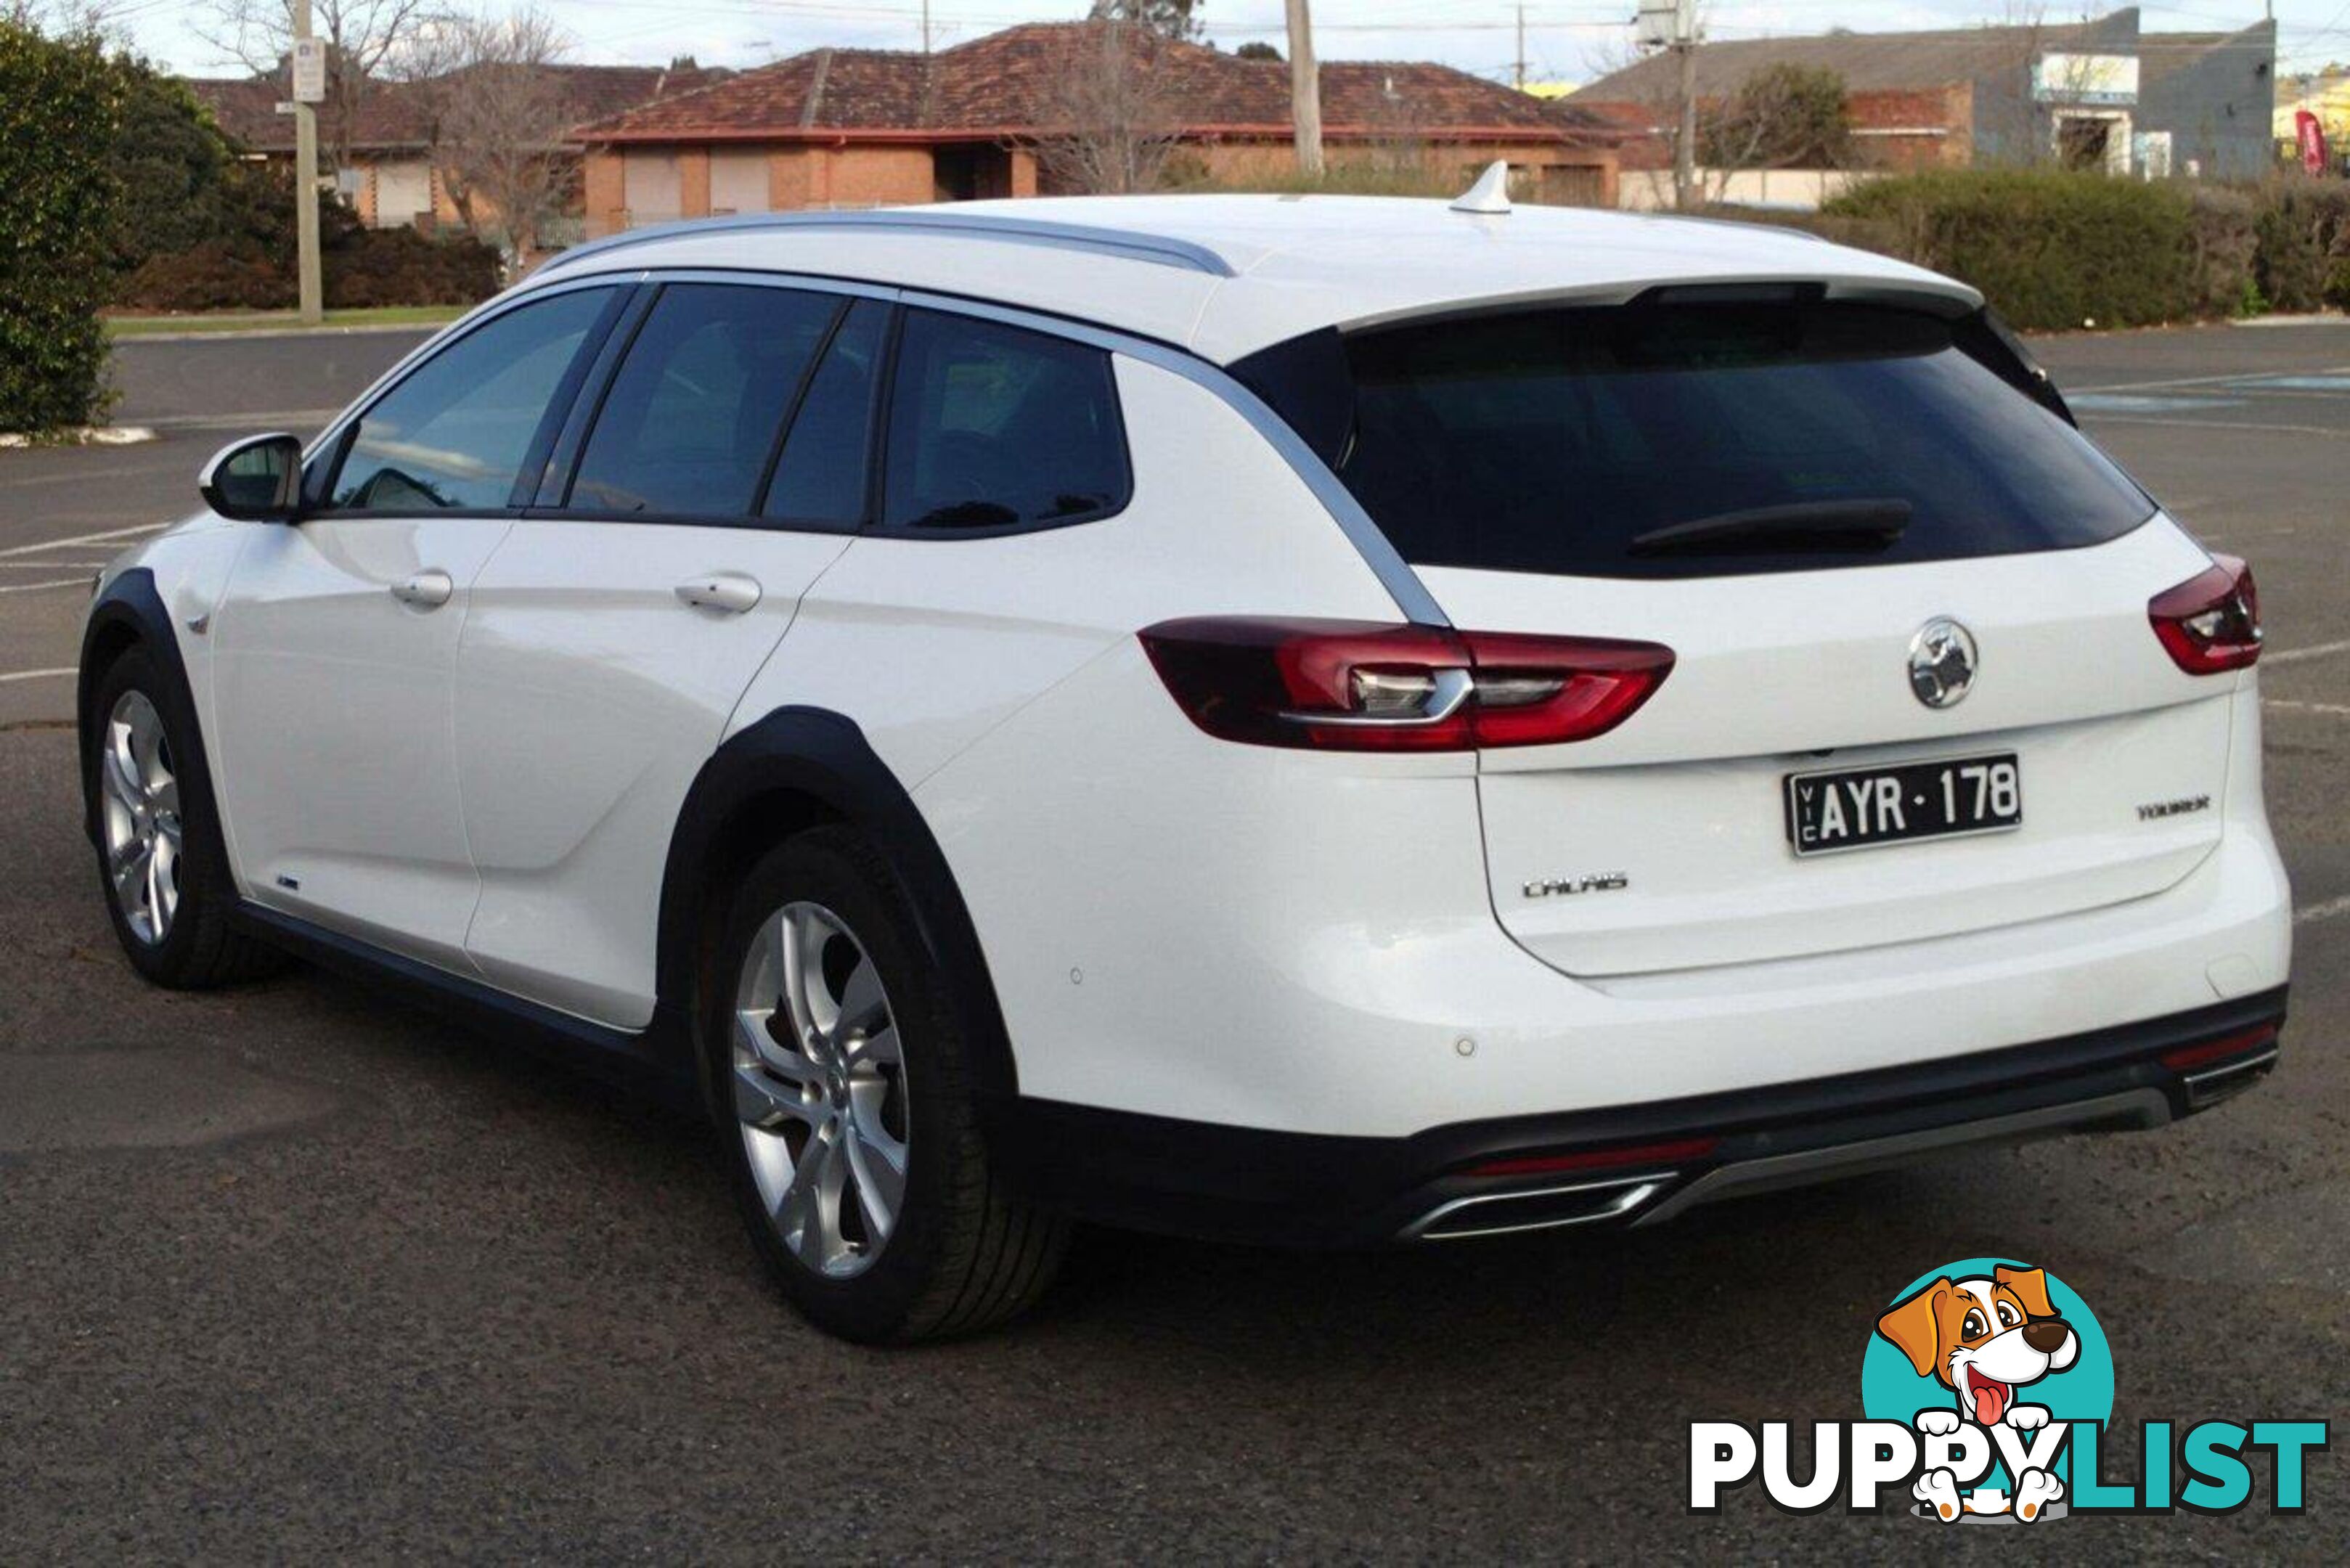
[293, 1269]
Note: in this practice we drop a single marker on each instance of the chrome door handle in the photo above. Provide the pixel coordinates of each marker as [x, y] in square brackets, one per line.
[425, 590]
[730, 592]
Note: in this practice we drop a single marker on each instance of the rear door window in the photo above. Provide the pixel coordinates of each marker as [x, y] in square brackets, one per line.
[993, 427]
[820, 477]
[694, 412]
[454, 434]
[1617, 442]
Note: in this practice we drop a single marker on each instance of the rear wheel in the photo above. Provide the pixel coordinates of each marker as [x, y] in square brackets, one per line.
[159, 852]
[856, 1150]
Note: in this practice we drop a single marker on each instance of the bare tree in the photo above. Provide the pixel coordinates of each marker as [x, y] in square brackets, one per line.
[1169, 18]
[362, 36]
[1784, 116]
[1109, 120]
[500, 113]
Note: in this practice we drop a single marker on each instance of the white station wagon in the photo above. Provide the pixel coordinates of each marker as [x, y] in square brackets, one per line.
[1324, 721]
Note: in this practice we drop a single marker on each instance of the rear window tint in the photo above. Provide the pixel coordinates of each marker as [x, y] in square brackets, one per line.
[693, 413]
[996, 427]
[1553, 441]
[821, 475]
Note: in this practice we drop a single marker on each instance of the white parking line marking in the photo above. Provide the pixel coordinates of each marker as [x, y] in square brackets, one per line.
[2330, 910]
[45, 587]
[110, 534]
[261, 421]
[33, 674]
[2295, 655]
[2337, 709]
[2201, 380]
[2096, 418]
[47, 565]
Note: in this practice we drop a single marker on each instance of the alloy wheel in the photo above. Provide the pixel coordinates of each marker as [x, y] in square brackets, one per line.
[140, 803]
[820, 1089]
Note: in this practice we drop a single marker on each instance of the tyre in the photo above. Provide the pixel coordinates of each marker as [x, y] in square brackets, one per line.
[854, 1142]
[161, 857]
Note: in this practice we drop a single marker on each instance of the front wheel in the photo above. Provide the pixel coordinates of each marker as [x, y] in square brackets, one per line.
[855, 1145]
[161, 857]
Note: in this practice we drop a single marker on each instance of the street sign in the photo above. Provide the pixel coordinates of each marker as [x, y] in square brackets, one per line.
[309, 70]
[1664, 22]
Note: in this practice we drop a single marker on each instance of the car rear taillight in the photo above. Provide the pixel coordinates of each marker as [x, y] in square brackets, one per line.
[1365, 686]
[2211, 622]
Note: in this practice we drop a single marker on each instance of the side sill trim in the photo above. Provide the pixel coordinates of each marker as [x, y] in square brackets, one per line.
[647, 1061]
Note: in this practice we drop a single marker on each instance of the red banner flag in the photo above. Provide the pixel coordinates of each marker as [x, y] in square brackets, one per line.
[2311, 134]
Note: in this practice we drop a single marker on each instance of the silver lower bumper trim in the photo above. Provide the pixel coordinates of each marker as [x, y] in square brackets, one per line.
[2147, 1107]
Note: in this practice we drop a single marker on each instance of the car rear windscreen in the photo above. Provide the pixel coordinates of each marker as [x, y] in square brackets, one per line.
[1668, 440]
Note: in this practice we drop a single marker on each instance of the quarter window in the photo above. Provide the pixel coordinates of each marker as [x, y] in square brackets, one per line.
[694, 412]
[454, 434]
[993, 427]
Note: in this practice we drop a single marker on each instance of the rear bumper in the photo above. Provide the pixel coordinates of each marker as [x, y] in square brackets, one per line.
[1628, 1165]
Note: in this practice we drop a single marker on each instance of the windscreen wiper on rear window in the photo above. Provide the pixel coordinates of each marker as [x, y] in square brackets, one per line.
[1851, 524]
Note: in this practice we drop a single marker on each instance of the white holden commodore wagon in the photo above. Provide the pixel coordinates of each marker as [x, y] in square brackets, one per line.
[1322, 722]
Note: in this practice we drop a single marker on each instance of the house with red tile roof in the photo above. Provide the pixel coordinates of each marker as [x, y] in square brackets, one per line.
[388, 176]
[854, 128]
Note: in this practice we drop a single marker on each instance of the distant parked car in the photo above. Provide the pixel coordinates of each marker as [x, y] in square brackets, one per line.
[1322, 722]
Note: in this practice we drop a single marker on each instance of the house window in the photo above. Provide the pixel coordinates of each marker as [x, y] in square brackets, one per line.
[2093, 140]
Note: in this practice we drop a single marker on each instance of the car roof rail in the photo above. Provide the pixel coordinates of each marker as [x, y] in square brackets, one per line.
[1159, 249]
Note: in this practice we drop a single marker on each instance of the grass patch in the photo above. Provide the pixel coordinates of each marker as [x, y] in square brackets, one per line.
[282, 320]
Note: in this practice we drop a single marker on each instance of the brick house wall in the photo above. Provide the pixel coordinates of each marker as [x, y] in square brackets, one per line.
[860, 127]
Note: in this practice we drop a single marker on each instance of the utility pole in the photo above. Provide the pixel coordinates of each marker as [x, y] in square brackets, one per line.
[1518, 66]
[926, 27]
[1684, 47]
[309, 86]
[1305, 90]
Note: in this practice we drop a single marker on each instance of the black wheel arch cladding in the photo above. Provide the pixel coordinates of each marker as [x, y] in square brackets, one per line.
[129, 613]
[823, 757]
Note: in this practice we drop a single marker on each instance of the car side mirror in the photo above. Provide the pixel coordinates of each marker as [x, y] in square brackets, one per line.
[257, 480]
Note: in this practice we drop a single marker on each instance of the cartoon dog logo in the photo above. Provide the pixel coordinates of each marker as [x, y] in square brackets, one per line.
[1984, 1338]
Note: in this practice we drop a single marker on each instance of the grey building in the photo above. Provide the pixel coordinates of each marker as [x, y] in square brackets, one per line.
[2098, 93]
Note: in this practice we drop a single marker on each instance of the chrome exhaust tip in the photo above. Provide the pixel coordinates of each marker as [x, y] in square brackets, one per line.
[1537, 1207]
[2213, 1085]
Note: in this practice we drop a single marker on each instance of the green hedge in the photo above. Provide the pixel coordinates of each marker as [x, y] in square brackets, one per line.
[2303, 262]
[59, 103]
[2053, 250]
[2048, 248]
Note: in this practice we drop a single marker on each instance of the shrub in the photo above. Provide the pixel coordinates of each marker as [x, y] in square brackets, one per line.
[1883, 236]
[59, 102]
[2048, 248]
[401, 267]
[181, 182]
[251, 266]
[2224, 223]
[2302, 260]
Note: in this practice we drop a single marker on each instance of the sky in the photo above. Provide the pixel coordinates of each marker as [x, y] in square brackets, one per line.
[1564, 40]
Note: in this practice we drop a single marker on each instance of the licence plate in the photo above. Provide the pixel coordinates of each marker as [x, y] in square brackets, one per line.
[1860, 808]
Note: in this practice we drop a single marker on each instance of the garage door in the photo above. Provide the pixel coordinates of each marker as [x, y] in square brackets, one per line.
[738, 179]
